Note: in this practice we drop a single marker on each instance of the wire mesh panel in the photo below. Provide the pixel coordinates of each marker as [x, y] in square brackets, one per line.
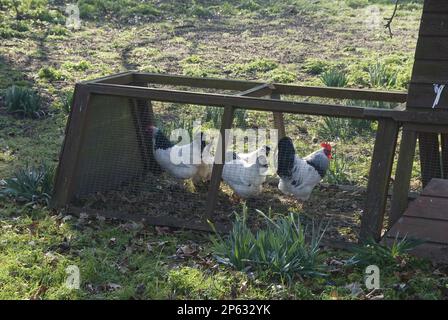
[152, 159]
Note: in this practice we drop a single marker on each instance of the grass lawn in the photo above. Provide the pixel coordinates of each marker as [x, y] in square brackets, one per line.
[294, 41]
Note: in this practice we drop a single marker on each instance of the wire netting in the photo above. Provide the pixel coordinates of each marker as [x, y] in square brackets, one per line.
[119, 170]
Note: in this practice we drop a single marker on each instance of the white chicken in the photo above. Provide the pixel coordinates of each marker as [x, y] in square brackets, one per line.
[298, 176]
[249, 157]
[177, 160]
[205, 168]
[245, 177]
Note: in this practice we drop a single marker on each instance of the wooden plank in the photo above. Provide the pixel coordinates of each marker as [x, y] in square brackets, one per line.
[427, 128]
[341, 93]
[430, 72]
[403, 175]
[378, 186]
[434, 24]
[284, 89]
[435, 118]
[212, 99]
[218, 165]
[436, 188]
[435, 6]
[444, 143]
[279, 122]
[429, 156]
[422, 95]
[420, 228]
[258, 91]
[65, 172]
[429, 208]
[435, 252]
[126, 77]
[432, 48]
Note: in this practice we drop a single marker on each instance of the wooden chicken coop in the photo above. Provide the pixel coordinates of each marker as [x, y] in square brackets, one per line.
[106, 146]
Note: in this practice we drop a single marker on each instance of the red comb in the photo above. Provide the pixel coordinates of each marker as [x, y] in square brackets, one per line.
[326, 146]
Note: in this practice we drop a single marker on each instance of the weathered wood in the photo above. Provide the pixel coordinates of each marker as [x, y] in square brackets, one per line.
[422, 118]
[221, 100]
[434, 24]
[218, 165]
[258, 91]
[430, 72]
[123, 78]
[283, 89]
[435, 6]
[444, 143]
[426, 219]
[429, 156]
[426, 229]
[68, 158]
[432, 48]
[403, 175]
[378, 186]
[427, 128]
[422, 95]
[279, 122]
[436, 188]
[426, 207]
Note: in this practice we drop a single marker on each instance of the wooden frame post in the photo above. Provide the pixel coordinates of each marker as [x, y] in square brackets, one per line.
[403, 175]
[279, 122]
[380, 172]
[218, 165]
[65, 176]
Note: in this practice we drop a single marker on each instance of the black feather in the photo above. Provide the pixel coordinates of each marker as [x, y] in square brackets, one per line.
[161, 141]
[286, 157]
[319, 166]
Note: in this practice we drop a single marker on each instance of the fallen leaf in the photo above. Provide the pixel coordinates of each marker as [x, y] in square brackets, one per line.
[163, 230]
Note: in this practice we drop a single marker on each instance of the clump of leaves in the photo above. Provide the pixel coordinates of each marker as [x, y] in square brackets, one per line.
[67, 101]
[338, 172]
[334, 78]
[382, 255]
[381, 76]
[282, 76]
[50, 74]
[23, 101]
[316, 66]
[344, 129]
[281, 247]
[30, 185]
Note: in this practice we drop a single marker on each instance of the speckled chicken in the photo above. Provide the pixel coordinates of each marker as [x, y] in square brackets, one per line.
[299, 176]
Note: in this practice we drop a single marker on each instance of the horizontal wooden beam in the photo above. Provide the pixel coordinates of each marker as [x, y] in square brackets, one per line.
[126, 77]
[212, 99]
[258, 91]
[434, 118]
[284, 89]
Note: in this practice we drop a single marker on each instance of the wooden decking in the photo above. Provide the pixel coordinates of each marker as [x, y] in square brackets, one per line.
[427, 219]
